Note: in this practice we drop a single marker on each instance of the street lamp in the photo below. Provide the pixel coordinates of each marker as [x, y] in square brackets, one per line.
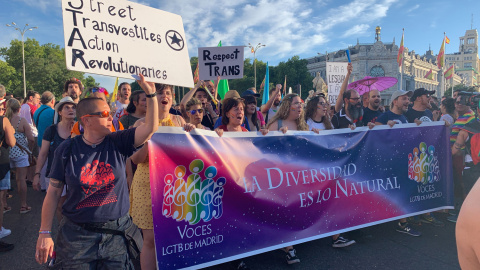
[254, 50]
[25, 29]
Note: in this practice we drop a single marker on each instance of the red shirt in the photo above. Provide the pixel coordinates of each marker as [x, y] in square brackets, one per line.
[33, 108]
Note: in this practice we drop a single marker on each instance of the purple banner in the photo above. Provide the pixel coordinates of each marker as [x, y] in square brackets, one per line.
[219, 199]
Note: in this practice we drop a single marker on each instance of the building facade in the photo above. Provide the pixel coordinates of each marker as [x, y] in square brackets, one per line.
[380, 59]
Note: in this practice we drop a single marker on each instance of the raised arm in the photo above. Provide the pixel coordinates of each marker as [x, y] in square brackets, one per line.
[339, 104]
[144, 132]
[189, 95]
[264, 109]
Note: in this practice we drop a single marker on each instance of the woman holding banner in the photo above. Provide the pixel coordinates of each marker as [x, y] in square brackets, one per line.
[289, 116]
[140, 193]
[316, 113]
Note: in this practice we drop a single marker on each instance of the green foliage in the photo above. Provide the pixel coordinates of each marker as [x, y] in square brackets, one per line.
[8, 76]
[45, 68]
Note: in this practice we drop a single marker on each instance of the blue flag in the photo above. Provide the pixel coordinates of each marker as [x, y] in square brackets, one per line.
[266, 88]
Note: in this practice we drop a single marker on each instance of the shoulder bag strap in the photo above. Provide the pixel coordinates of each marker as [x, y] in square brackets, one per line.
[38, 116]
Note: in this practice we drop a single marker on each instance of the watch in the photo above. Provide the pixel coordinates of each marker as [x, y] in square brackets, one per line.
[151, 95]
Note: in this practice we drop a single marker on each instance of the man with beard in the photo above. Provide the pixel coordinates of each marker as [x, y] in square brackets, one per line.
[421, 105]
[120, 105]
[372, 111]
[73, 88]
[398, 107]
[352, 113]
[270, 108]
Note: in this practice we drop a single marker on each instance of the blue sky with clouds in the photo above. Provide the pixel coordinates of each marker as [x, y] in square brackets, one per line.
[287, 27]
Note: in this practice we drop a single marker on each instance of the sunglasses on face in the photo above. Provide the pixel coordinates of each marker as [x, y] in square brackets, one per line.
[322, 104]
[192, 112]
[103, 114]
[356, 99]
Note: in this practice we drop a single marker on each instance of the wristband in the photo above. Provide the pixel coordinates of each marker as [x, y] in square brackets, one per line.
[44, 232]
[151, 95]
[37, 173]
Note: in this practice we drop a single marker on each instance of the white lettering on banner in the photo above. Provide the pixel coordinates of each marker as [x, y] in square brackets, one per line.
[336, 73]
[226, 62]
[111, 38]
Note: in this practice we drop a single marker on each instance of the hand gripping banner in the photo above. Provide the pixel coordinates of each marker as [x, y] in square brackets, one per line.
[219, 199]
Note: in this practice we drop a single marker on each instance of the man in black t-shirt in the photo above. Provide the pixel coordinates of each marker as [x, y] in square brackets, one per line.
[372, 111]
[352, 112]
[93, 167]
[421, 105]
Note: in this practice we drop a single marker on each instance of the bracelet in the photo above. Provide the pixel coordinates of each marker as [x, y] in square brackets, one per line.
[37, 173]
[151, 95]
[44, 232]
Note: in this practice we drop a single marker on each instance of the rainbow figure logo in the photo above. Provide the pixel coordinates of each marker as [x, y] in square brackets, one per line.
[423, 165]
[193, 199]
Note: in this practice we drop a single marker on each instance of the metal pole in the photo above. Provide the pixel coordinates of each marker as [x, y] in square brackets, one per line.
[255, 68]
[23, 64]
[22, 32]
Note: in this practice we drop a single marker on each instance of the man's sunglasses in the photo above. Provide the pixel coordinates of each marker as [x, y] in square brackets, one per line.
[195, 111]
[103, 114]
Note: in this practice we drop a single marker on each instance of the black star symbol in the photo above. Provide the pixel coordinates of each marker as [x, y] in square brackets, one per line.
[176, 39]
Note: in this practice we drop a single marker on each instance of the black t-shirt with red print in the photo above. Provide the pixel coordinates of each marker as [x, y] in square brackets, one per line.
[95, 177]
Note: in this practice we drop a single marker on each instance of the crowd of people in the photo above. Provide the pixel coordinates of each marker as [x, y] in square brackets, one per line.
[88, 153]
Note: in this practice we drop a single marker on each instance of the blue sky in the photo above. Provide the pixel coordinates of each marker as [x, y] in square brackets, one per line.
[287, 27]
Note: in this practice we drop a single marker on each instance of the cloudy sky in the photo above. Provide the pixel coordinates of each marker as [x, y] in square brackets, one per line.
[287, 27]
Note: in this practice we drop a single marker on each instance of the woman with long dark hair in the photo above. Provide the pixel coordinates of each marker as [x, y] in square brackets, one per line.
[316, 113]
[254, 117]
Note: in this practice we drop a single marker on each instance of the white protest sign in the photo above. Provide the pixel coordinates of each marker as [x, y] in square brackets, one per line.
[120, 38]
[336, 73]
[226, 62]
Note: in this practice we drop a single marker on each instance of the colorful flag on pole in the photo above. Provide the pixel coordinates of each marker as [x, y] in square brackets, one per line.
[267, 86]
[262, 84]
[113, 97]
[447, 40]
[196, 76]
[222, 87]
[449, 73]
[441, 55]
[429, 75]
[400, 53]
[252, 50]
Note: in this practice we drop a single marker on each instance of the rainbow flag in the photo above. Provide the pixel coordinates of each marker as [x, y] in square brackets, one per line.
[252, 50]
[441, 55]
[449, 73]
[196, 76]
[447, 40]
[262, 84]
[400, 53]
[429, 75]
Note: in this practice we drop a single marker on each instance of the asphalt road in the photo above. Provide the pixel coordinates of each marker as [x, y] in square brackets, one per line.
[378, 247]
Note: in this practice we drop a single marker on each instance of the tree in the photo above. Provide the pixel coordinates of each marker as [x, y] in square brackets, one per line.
[45, 67]
[8, 76]
[297, 73]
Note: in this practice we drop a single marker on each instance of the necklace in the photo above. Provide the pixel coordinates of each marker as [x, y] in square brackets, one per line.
[93, 145]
